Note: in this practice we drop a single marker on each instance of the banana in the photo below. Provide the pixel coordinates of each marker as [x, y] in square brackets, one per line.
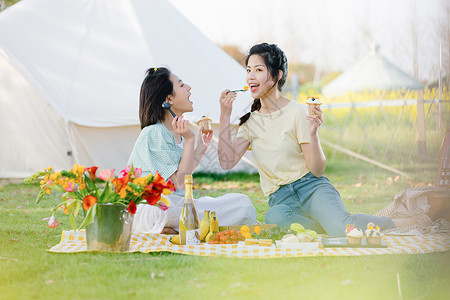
[175, 239]
[213, 227]
[214, 223]
[209, 236]
[204, 226]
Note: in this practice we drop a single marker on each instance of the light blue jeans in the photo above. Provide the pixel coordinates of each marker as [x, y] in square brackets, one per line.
[316, 204]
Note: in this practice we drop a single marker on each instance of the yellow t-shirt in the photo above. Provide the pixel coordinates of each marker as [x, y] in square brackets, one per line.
[275, 140]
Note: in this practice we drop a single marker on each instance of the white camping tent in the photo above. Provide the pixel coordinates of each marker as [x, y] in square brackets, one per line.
[70, 74]
[373, 72]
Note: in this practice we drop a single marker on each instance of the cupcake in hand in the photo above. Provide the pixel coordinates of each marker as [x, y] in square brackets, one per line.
[354, 234]
[311, 103]
[373, 234]
[205, 122]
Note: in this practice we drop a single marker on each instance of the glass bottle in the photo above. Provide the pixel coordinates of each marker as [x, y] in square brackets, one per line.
[189, 220]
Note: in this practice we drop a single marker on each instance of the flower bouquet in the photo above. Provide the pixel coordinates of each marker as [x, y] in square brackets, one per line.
[102, 203]
[83, 188]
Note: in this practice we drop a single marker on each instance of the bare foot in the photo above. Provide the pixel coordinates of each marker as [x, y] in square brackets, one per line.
[168, 230]
[405, 222]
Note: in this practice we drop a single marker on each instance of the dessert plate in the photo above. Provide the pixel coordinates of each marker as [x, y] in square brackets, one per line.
[342, 242]
[302, 246]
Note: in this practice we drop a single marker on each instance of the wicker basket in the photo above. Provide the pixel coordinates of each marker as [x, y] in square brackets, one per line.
[439, 206]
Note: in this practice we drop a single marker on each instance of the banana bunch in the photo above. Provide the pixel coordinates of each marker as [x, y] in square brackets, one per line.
[208, 227]
[213, 226]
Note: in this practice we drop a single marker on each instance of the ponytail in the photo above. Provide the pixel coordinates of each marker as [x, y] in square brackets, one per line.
[255, 106]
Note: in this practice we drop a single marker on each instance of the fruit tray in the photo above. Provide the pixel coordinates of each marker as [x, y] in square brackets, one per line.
[342, 242]
[251, 227]
[242, 244]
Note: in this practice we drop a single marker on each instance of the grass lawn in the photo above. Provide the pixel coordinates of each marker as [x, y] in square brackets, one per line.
[27, 271]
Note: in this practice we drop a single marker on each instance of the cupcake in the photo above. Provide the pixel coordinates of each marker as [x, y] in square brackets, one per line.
[305, 237]
[312, 233]
[290, 238]
[205, 122]
[354, 235]
[313, 102]
[373, 234]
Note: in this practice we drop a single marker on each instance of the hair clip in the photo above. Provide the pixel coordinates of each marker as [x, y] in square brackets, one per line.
[155, 69]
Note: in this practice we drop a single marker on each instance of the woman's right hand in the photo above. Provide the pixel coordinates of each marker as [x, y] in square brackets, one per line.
[226, 102]
[181, 127]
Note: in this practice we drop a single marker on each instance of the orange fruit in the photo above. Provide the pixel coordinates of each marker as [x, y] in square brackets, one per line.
[244, 229]
[257, 229]
[247, 235]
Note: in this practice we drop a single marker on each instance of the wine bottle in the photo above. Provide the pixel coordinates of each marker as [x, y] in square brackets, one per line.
[189, 220]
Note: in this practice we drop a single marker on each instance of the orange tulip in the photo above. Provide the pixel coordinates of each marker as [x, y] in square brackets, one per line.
[89, 201]
[121, 182]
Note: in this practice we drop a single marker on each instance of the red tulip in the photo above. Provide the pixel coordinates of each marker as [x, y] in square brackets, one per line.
[132, 207]
[153, 191]
[92, 171]
[52, 222]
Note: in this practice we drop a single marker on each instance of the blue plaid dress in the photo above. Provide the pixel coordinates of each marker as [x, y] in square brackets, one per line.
[156, 150]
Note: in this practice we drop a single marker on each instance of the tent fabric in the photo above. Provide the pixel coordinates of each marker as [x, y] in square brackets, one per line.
[69, 68]
[373, 72]
[33, 135]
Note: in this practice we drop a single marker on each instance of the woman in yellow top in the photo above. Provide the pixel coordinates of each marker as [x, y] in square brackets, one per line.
[287, 152]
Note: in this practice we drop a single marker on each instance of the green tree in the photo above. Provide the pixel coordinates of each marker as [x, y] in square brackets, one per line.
[5, 3]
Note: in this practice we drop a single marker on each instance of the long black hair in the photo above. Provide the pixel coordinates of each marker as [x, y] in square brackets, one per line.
[154, 90]
[276, 61]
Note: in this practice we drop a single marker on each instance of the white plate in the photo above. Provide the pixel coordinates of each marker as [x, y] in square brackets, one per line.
[218, 245]
[302, 246]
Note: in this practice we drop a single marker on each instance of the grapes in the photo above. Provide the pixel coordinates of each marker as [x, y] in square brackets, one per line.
[298, 228]
[275, 233]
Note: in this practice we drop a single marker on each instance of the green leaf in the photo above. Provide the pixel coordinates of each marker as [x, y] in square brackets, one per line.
[34, 177]
[90, 184]
[89, 217]
[105, 193]
[68, 174]
[40, 196]
[76, 208]
[72, 222]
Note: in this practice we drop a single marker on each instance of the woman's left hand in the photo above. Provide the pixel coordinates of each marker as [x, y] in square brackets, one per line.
[315, 120]
[204, 140]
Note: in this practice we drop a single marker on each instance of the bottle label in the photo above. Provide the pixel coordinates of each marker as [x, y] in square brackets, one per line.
[193, 237]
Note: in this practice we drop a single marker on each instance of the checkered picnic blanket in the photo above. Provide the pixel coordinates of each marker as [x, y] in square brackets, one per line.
[74, 241]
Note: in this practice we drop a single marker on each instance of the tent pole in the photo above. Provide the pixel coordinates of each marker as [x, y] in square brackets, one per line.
[439, 106]
[361, 157]
[75, 155]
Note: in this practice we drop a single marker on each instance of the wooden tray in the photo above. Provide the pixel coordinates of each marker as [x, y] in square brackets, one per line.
[252, 227]
[342, 242]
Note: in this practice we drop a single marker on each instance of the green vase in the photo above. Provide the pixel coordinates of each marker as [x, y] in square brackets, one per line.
[110, 230]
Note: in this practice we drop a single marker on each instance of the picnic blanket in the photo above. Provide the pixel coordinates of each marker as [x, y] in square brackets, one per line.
[74, 241]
